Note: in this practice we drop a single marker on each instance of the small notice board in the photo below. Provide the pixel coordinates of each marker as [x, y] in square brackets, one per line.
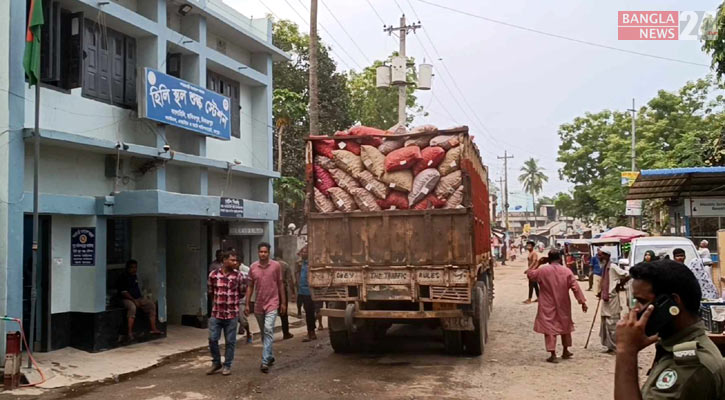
[82, 247]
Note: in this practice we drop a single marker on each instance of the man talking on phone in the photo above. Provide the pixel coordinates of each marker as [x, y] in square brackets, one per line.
[687, 363]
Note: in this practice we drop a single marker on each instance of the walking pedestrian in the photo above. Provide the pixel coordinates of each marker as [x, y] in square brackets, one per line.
[533, 260]
[612, 275]
[243, 320]
[304, 294]
[226, 287]
[553, 317]
[265, 276]
[704, 278]
[289, 285]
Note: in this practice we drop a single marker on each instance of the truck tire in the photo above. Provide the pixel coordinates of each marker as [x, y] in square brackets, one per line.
[475, 341]
[340, 342]
[453, 342]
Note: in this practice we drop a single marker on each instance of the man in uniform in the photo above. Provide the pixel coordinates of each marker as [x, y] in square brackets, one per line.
[687, 363]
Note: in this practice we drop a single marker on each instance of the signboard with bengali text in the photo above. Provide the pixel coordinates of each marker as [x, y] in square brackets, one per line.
[82, 247]
[169, 100]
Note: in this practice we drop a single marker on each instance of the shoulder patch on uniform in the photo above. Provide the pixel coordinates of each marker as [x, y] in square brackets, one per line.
[667, 379]
[685, 352]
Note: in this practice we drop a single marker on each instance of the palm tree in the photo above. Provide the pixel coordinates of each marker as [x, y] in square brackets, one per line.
[532, 177]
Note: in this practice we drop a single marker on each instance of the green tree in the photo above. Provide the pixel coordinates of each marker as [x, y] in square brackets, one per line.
[713, 37]
[532, 178]
[378, 107]
[289, 194]
[674, 129]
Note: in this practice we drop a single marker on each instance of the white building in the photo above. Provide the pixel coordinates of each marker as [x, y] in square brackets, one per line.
[138, 188]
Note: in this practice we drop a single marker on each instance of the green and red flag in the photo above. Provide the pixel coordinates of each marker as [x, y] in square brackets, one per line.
[31, 58]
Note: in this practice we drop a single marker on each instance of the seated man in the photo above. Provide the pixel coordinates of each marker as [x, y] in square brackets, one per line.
[130, 294]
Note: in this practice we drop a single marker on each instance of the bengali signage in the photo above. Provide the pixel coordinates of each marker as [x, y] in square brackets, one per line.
[628, 177]
[173, 101]
[243, 229]
[705, 207]
[82, 247]
[633, 208]
[232, 208]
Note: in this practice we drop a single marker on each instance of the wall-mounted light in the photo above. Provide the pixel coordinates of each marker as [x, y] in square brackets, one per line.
[185, 9]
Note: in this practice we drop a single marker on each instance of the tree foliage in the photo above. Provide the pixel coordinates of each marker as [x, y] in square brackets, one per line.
[532, 178]
[674, 129]
[713, 37]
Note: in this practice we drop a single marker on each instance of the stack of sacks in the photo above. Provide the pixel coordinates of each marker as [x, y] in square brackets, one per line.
[372, 170]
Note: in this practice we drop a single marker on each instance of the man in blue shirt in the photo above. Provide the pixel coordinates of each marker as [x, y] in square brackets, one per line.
[595, 277]
[305, 295]
[132, 299]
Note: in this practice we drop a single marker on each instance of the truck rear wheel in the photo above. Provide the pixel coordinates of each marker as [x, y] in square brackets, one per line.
[340, 342]
[453, 342]
[475, 341]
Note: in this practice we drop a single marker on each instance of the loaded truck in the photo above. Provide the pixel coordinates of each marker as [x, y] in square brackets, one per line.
[378, 265]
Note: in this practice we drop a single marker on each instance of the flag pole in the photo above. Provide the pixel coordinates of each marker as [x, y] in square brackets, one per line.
[36, 160]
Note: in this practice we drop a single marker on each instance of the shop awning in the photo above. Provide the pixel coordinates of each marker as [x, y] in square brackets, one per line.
[678, 182]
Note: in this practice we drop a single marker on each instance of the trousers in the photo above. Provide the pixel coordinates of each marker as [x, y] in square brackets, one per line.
[550, 341]
[229, 327]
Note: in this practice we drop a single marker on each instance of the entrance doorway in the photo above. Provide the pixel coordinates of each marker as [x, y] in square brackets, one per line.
[242, 245]
[42, 315]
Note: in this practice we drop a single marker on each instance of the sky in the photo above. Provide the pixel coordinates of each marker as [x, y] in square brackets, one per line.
[512, 87]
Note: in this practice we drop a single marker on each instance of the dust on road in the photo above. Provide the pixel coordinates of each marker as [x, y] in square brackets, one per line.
[411, 364]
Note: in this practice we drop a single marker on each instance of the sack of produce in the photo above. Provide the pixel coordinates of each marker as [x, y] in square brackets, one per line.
[348, 162]
[364, 199]
[456, 199]
[342, 200]
[448, 184]
[374, 186]
[322, 203]
[323, 180]
[343, 179]
[447, 142]
[324, 162]
[420, 141]
[394, 201]
[350, 145]
[427, 128]
[401, 181]
[430, 201]
[391, 144]
[365, 133]
[423, 184]
[373, 160]
[324, 147]
[403, 158]
[431, 158]
[451, 162]
[398, 129]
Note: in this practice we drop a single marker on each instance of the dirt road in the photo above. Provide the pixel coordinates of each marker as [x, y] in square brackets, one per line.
[411, 366]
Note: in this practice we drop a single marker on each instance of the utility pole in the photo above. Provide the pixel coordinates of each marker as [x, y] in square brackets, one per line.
[505, 159]
[503, 198]
[402, 88]
[633, 218]
[314, 106]
[634, 130]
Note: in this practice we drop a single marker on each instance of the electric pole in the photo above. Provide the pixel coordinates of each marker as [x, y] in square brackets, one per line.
[634, 130]
[402, 88]
[314, 105]
[503, 199]
[505, 159]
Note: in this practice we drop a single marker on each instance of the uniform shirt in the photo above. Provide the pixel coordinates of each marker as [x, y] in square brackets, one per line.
[687, 365]
[227, 290]
[267, 280]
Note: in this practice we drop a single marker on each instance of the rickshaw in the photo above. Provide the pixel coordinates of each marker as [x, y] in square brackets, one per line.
[577, 256]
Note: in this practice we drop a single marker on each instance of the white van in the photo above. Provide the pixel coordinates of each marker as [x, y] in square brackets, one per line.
[660, 245]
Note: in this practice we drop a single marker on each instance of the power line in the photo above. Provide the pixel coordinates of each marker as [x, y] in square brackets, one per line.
[376, 12]
[558, 36]
[344, 30]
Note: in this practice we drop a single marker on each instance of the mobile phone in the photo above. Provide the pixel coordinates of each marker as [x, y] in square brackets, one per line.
[664, 311]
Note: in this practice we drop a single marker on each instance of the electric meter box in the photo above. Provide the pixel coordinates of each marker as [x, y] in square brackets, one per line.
[382, 76]
[425, 75]
[399, 69]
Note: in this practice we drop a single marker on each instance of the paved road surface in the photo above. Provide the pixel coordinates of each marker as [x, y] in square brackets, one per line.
[412, 365]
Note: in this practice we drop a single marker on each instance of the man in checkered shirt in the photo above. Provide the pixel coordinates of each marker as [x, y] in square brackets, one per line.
[226, 288]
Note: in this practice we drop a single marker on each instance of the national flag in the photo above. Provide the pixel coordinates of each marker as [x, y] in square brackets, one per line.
[31, 58]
